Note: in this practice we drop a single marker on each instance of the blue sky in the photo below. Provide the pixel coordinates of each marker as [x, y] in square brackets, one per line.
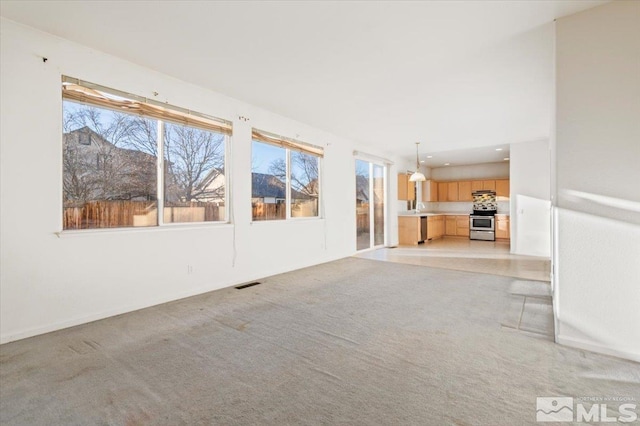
[262, 155]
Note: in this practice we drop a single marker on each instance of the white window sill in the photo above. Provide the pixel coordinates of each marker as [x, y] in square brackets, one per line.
[143, 229]
[291, 220]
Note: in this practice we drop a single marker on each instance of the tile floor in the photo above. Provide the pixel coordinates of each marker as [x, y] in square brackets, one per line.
[529, 309]
[462, 254]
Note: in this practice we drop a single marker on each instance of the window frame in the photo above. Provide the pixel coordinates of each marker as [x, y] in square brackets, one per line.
[160, 159]
[288, 149]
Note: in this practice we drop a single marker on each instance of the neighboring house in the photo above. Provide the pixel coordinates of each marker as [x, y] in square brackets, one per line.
[96, 169]
[212, 187]
[269, 189]
[362, 190]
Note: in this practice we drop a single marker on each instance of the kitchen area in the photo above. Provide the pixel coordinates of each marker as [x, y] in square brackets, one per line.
[473, 209]
[483, 210]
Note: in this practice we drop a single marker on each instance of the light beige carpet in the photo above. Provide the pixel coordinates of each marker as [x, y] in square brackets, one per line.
[354, 342]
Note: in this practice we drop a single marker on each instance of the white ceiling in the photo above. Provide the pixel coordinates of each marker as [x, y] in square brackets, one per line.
[461, 157]
[451, 74]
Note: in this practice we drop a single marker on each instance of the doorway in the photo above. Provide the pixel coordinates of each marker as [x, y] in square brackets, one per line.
[370, 204]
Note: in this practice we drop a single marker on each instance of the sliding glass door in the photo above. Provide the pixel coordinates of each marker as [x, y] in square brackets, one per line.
[370, 204]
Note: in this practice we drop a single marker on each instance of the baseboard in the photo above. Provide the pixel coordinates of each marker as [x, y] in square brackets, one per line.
[594, 347]
[61, 325]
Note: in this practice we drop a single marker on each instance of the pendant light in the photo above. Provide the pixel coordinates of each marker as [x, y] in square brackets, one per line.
[417, 176]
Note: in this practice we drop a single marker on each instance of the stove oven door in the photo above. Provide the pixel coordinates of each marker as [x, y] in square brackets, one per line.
[482, 223]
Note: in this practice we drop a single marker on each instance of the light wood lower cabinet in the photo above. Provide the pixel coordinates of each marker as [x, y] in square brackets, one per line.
[408, 230]
[462, 226]
[435, 227]
[502, 226]
[450, 228]
[457, 226]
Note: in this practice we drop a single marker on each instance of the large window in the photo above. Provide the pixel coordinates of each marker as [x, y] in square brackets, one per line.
[121, 168]
[285, 179]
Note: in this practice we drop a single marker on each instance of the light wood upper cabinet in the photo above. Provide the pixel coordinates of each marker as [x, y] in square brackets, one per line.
[443, 191]
[464, 191]
[403, 181]
[489, 185]
[406, 189]
[430, 190]
[502, 187]
[452, 191]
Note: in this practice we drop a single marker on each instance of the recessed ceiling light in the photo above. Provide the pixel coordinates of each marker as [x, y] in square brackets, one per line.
[429, 156]
[498, 149]
[421, 161]
[506, 158]
[446, 164]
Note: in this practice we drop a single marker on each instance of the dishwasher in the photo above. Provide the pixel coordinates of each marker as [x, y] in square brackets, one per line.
[423, 229]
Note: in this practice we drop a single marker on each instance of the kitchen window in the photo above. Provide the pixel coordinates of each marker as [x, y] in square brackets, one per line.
[285, 178]
[126, 158]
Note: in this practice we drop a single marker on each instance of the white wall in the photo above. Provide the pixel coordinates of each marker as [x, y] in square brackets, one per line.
[472, 171]
[597, 151]
[50, 281]
[530, 188]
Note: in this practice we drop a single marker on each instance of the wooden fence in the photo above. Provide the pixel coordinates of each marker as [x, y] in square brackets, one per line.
[362, 217]
[264, 211]
[121, 214]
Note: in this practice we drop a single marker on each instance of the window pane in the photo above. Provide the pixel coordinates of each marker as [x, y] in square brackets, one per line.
[268, 182]
[109, 168]
[362, 205]
[304, 185]
[194, 175]
[378, 205]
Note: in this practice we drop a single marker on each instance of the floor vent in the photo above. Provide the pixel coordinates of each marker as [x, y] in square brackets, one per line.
[240, 287]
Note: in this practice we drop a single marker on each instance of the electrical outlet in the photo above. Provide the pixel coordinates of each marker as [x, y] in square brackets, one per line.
[189, 269]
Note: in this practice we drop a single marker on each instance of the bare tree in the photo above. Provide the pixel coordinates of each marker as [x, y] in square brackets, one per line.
[304, 172]
[107, 155]
[304, 176]
[195, 161]
[112, 155]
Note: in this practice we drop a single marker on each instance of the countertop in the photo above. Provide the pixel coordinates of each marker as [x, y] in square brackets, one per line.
[427, 214]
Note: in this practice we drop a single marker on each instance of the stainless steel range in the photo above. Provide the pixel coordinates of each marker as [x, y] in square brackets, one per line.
[482, 224]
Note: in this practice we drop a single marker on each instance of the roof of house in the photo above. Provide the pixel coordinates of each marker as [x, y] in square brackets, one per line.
[362, 188]
[94, 140]
[266, 185]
